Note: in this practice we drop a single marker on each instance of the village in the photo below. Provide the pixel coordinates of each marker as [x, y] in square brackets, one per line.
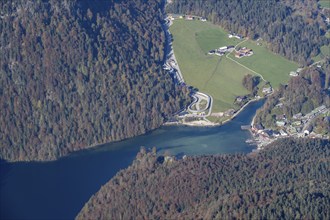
[298, 126]
[239, 53]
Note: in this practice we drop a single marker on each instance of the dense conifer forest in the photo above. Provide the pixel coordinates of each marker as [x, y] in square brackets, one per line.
[288, 180]
[79, 73]
[293, 28]
[303, 94]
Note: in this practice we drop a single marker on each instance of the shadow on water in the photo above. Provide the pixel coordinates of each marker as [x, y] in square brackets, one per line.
[4, 172]
[59, 189]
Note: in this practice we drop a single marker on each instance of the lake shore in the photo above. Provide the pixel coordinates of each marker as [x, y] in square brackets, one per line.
[204, 122]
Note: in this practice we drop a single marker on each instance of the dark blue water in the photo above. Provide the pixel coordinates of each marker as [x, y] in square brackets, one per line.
[59, 189]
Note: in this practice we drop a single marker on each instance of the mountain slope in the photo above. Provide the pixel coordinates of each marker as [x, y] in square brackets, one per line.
[293, 28]
[289, 179]
[75, 74]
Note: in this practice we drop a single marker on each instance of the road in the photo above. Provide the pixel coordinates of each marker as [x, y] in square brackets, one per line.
[198, 96]
[170, 56]
[227, 56]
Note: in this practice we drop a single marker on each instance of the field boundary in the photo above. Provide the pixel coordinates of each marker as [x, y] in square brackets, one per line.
[227, 56]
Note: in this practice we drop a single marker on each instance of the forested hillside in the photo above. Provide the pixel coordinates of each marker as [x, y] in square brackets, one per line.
[80, 73]
[288, 180]
[293, 28]
[303, 94]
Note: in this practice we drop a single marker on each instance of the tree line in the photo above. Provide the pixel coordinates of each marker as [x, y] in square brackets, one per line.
[79, 73]
[303, 93]
[287, 180]
[292, 28]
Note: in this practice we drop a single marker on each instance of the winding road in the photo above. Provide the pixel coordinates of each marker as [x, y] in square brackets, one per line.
[170, 56]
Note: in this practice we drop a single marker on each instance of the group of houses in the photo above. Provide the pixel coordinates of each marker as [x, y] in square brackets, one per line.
[295, 73]
[233, 35]
[192, 17]
[267, 90]
[186, 17]
[243, 52]
[221, 50]
[298, 125]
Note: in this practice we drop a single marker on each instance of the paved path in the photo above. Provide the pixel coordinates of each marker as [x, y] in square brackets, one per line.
[227, 56]
[171, 51]
[171, 56]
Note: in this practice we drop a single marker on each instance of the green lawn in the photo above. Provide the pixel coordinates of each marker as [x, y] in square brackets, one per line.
[210, 74]
[274, 68]
[324, 51]
[325, 4]
[219, 76]
[213, 38]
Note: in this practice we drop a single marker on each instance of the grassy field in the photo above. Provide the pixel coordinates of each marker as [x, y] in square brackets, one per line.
[210, 74]
[272, 67]
[324, 51]
[325, 4]
[219, 76]
[213, 38]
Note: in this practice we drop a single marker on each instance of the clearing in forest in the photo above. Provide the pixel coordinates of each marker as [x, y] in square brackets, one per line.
[325, 4]
[218, 75]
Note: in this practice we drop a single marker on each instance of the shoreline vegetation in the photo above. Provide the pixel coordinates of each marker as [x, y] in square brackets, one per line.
[207, 123]
[187, 117]
[91, 86]
[172, 65]
[286, 180]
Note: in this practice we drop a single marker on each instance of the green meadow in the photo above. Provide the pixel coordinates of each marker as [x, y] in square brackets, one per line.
[324, 51]
[273, 67]
[220, 76]
[325, 4]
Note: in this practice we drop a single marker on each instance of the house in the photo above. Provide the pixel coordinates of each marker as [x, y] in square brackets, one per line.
[276, 133]
[280, 123]
[229, 112]
[283, 133]
[244, 52]
[279, 105]
[265, 134]
[297, 116]
[239, 99]
[238, 55]
[230, 48]
[267, 90]
[211, 52]
[268, 132]
[223, 49]
[170, 17]
[166, 67]
[293, 73]
[219, 53]
[296, 123]
[280, 117]
[258, 127]
[306, 132]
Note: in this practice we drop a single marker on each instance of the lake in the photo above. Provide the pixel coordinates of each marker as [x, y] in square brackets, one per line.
[59, 189]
